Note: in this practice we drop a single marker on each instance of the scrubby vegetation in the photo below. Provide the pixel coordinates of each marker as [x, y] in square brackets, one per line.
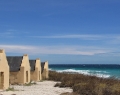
[86, 85]
[11, 89]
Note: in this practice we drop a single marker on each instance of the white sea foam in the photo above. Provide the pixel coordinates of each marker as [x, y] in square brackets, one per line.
[102, 74]
[50, 69]
[86, 72]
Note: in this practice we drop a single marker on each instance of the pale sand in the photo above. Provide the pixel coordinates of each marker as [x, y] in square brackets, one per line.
[41, 88]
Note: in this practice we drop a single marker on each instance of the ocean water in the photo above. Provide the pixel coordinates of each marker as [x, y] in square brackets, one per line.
[99, 70]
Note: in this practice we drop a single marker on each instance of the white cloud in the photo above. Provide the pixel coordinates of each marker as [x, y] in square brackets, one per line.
[115, 40]
[106, 39]
[71, 50]
[82, 36]
[71, 36]
[16, 48]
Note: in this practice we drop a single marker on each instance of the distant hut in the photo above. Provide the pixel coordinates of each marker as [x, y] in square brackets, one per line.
[35, 74]
[19, 69]
[44, 70]
[4, 71]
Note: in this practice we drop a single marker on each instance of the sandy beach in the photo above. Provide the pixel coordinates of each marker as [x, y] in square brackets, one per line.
[40, 88]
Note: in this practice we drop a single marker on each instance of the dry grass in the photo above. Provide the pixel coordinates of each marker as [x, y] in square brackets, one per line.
[86, 85]
[67, 93]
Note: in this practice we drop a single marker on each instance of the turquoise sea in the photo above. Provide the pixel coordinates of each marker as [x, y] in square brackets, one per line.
[99, 70]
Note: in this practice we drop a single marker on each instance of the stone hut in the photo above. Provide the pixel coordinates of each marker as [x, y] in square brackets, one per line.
[35, 74]
[4, 71]
[44, 70]
[19, 69]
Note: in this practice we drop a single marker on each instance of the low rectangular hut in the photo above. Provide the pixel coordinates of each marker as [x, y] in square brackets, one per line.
[4, 71]
[35, 74]
[19, 69]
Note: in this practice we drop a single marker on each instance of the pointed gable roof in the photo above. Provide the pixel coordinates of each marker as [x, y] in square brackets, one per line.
[14, 62]
[32, 64]
[42, 66]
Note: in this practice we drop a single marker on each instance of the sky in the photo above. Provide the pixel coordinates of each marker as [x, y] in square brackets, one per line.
[62, 31]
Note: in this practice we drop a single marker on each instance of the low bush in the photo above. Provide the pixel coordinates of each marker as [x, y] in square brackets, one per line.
[11, 89]
[86, 85]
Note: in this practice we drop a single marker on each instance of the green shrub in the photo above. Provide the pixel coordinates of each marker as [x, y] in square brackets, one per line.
[11, 89]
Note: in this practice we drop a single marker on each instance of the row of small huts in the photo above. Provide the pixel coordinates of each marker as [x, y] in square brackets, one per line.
[20, 70]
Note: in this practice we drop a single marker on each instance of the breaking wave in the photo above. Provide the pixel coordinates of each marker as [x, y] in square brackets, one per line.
[102, 74]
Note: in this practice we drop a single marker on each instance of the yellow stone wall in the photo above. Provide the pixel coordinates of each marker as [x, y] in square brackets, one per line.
[25, 66]
[45, 73]
[14, 77]
[36, 75]
[5, 69]
[20, 76]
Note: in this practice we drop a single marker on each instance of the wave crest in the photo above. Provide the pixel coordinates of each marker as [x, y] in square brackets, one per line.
[102, 74]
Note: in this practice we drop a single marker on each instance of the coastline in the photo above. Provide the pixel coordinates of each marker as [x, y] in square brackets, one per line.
[68, 84]
[99, 70]
[40, 88]
[85, 84]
